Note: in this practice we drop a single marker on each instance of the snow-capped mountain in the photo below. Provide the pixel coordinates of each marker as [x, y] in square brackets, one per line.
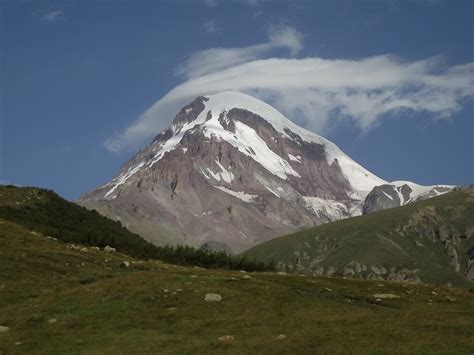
[400, 193]
[232, 169]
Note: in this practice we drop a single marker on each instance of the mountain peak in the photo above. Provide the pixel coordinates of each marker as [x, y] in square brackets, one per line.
[233, 169]
[211, 107]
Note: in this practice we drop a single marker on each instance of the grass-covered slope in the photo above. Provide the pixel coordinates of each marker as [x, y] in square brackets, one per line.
[55, 299]
[431, 241]
[46, 212]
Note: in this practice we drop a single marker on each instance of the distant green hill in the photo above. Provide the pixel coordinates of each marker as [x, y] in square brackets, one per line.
[46, 212]
[431, 241]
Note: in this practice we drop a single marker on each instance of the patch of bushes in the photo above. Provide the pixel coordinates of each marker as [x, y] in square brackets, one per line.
[87, 280]
[186, 255]
[36, 318]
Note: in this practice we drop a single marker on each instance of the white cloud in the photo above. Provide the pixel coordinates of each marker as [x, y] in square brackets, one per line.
[214, 59]
[316, 93]
[210, 26]
[52, 16]
[286, 36]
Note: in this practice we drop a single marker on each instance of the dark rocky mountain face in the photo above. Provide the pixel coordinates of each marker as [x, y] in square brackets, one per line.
[232, 170]
[399, 194]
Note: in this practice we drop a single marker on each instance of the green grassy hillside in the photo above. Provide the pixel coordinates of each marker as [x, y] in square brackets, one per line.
[46, 212]
[55, 299]
[431, 241]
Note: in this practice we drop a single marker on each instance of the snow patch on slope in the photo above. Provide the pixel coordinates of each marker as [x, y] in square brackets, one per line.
[397, 190]
[272, 191]
[239, 194]
[247, 141]
[224, 174]
[120, 180]
[329, 208]
[419, 191]
[293, 158]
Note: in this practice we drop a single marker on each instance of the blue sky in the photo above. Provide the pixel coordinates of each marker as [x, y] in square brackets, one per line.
[77, 76]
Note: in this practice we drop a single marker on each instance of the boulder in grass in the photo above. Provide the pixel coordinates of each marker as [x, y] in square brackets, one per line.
[385, 296]
[109, 249]
[226, 339]
[212, 297]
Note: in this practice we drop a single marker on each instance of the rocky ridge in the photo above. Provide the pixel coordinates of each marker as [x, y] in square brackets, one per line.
[400, 193]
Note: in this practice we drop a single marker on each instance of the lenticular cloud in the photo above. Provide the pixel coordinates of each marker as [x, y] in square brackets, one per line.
[314, 92]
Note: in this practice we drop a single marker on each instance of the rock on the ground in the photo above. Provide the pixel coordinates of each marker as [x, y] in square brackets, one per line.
[125, 264]
[213, 297]
[109, 249]
[4, 329]
[385, 296]
[226, 338]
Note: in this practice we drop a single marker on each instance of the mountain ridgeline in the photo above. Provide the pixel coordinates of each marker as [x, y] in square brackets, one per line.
[429, 241]
[232, 170]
